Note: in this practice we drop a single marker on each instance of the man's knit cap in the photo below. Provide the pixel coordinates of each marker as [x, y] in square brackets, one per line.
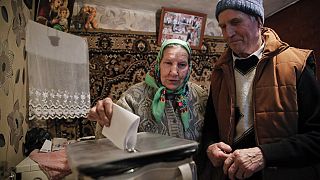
[251, 7]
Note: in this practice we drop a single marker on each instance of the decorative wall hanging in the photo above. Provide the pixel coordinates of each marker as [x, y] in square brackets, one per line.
[181, 24]
[119, 59]
[58, 67]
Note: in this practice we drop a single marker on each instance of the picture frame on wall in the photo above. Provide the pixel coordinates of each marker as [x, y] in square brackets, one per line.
[182, 24]
[54, 13]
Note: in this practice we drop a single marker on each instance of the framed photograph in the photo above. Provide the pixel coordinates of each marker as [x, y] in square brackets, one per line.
[181, 24]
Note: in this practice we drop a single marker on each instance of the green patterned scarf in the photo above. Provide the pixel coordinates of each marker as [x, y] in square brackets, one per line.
[153, 80]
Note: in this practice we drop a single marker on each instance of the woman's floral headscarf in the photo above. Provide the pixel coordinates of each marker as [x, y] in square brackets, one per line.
[153, 80]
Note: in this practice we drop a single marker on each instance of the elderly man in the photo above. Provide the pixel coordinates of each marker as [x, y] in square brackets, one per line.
[263, 113]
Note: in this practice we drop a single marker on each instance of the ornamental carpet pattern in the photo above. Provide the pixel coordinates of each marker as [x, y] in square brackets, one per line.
[121, 59]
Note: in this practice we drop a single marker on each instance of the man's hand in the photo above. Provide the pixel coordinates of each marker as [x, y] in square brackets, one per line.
[218, 152]
[242, 163]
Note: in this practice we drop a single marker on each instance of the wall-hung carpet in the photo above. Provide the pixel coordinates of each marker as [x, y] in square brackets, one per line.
[121, 59]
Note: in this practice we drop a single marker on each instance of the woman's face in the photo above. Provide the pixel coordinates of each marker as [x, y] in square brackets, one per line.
[174, 67]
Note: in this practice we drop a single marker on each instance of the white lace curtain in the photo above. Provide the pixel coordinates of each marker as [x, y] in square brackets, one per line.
[58, 71]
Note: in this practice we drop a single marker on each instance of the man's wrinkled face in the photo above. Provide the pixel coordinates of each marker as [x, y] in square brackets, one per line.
[241, 31]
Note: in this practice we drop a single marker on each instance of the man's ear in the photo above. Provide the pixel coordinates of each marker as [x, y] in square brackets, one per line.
[259, 20]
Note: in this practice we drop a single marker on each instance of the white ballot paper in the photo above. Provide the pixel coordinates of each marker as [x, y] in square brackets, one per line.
[123, 128]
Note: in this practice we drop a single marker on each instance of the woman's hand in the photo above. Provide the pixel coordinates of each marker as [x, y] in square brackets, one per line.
[102, 112]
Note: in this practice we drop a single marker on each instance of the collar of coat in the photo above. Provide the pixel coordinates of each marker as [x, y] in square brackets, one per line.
[273, 46]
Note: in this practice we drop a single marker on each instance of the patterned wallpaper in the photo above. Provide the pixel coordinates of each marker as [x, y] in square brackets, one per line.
[13, 126]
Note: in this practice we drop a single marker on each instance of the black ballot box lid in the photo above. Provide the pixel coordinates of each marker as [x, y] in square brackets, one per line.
[101, 157]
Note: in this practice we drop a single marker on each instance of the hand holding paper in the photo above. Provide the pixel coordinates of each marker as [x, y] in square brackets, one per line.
[123, 128]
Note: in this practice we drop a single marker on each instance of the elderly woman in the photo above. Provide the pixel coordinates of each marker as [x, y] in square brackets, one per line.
[166, 101]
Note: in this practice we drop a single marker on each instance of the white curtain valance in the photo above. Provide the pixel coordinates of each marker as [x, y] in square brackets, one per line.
[58, 72]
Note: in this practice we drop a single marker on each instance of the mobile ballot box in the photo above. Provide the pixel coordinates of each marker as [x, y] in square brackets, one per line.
[154, 157]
